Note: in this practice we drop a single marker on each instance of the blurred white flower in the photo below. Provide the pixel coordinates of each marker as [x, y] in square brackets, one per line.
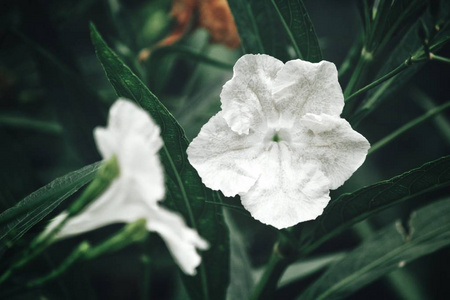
[278, 141]
[133, 138]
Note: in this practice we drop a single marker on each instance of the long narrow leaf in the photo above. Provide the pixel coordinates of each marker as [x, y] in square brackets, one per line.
[185, 191]
[299, 28]
[17, 220]
[351, 208]
[260, 28]
[391, 248]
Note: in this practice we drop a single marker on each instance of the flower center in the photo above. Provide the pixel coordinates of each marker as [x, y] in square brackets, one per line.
[277, 136]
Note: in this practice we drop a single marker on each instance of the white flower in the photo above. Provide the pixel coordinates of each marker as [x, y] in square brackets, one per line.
[278, 141]
[134, 139]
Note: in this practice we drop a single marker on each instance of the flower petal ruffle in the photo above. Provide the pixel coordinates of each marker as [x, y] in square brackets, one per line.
[247, 98]
[225, 160]
[302, 87]
[333, 143]
[288, 191]
[181, 240]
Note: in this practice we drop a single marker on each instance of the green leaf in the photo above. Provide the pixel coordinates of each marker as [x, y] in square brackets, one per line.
[272, 27]
[351, 208]
[391, 18]
[299, 29]
[307, 267]
[409, 45]
[16, 121]
[389, 249]
[185, 191]
[17, 220]
[259, 28]
[240, 266]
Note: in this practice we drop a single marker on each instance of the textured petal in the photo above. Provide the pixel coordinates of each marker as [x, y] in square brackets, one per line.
[289, 190]
[181, 240]
[225, 160]
[247, 101]
[302, 87]
[333, 143]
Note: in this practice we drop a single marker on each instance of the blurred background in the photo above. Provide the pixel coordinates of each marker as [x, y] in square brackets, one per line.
[53, 92]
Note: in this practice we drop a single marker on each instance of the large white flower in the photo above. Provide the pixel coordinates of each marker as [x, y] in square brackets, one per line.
[278, 141]
[134, 139]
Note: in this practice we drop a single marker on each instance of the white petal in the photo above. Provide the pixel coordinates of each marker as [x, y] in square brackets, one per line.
[302, 87]
[142, 168]
[181, 240]
[333, 143]
[225, 160]
[125, 119]
[289, 191]
[247, 98]
[106, 142]
[106, 210]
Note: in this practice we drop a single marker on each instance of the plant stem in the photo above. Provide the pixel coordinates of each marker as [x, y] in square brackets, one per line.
[76, 255]
[439, 58]
[104, 177]
[426, 103]
[389, 138]
[387, 76]
[356, 76]
[269, 280]
[284, 253]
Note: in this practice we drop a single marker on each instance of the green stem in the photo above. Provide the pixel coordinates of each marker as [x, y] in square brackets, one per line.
[408, 126]
[349, 59]
[358, 73]
[388, 76]
[104, 177]
[284, 253]
[37, 246]
[269, 280]
[75, 256]
[426, 103]
[439, 58]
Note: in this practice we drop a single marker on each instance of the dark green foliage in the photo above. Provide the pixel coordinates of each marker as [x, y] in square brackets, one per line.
[389, 249]
[16, 221]
[185, 191]
[351, 208]
[271, 27]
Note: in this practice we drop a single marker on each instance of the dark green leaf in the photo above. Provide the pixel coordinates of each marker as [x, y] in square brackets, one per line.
[409, 45]
[185, 191]
[299, 29]
[391, 18]
[259, 28]
[17, 220]
[389, 249]
[351, 208]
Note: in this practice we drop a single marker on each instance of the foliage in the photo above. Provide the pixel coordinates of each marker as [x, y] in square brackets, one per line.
[55, 87]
